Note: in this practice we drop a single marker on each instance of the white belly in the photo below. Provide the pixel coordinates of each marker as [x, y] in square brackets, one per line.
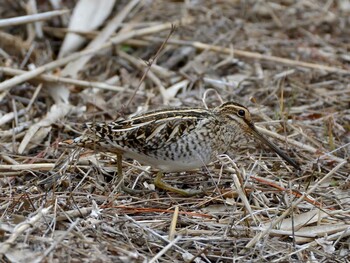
[168, 165]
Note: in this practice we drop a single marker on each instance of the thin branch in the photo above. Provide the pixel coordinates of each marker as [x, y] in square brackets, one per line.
[19, 20]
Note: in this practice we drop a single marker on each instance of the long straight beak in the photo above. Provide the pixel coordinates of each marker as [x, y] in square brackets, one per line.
[273, 147]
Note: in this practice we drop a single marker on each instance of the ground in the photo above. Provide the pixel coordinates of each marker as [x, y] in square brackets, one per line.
[287, 61]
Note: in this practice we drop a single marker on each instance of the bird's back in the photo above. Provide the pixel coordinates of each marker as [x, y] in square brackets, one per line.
[170, 140]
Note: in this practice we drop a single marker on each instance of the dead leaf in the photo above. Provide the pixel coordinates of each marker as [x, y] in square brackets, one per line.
[87, 16]
[36, 132]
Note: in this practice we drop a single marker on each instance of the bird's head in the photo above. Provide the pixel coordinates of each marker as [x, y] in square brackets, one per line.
[240, 117]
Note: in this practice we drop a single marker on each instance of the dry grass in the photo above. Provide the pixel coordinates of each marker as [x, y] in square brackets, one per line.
[288, 61]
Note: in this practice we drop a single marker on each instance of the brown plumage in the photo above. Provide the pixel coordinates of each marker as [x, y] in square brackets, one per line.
[179, 139]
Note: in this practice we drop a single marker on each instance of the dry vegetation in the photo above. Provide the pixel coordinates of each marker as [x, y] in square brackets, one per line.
[288, 61]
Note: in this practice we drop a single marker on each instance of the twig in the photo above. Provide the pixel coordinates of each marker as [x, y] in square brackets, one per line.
[165, 249]
[290, 191]
[24, 167]
[21, 228]
[57, 241]
[152, 232]
[73, 213]
[70, 81]
[252, 55]
[19, 20]
[172, 229]
[293, 206]
[332, 237]
[8, 84]
[149, 65]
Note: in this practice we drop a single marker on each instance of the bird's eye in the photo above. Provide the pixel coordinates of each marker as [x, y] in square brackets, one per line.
[241, 113]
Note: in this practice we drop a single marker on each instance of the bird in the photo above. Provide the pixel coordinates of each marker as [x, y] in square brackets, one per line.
[175, 139]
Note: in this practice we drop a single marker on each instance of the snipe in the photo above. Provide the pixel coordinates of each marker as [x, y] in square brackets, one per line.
[175, 140]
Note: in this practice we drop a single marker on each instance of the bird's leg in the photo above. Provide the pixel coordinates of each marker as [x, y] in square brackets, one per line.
[121, 179]
[158, 182]
[120, 169]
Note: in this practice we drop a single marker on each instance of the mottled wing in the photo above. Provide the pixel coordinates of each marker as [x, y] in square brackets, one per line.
[148, 132]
